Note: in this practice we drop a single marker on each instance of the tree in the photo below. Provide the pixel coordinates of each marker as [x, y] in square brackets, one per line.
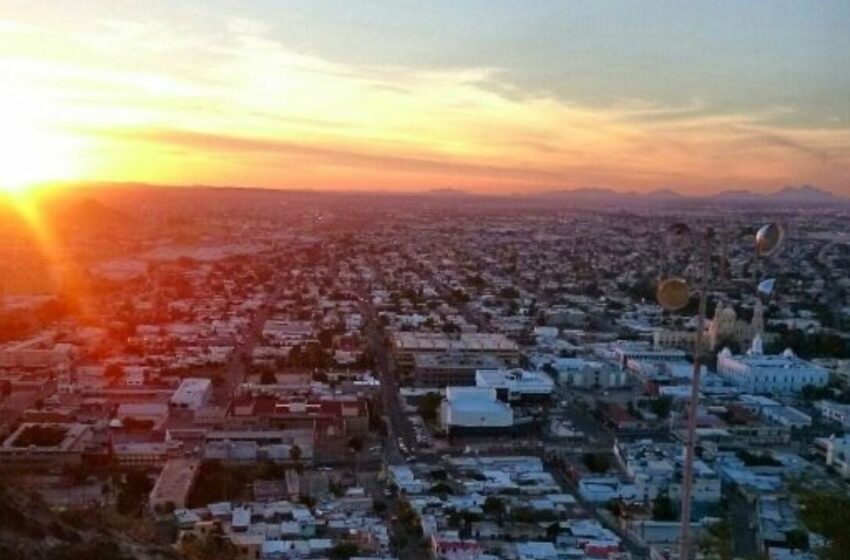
[133, 493]
[717, 541]
[344, 550]
[113, 372]
[662, 509]
[295, 453]
[209, 547]
[596, 462]
[294, 359]
[326, 338]
[379, 507]
[355, 444]
[662, 406]
[494, 506]
[428, 406]
[797, 539]
[829, 515]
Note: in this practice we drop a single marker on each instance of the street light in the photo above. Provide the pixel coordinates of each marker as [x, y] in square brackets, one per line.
[674, 294]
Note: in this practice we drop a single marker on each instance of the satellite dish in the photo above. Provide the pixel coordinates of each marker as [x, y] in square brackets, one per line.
[678, 236]
[673, 294]
[769, 238]
[766, 288]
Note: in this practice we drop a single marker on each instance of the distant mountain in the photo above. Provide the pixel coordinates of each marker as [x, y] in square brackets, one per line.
[588, 193]
[736, 196]
[664, 194]
[84, 213]
[805, 194]
[447, 191]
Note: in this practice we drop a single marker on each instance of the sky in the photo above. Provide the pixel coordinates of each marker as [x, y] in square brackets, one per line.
[481, 95]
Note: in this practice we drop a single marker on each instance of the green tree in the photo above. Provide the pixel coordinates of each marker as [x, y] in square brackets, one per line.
[716, 542]
[133, 493]
[295, 453]
[797, 539]
[829, 515]
[597, 462]
[494, 506]
[663, 509]
[344, 550]
[662, 406]
[428, 406]
[210, 547]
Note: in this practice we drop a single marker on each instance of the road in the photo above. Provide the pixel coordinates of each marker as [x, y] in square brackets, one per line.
[741, 519]
[234, 372]
[398, 427]
[638, 550]
[397, 424]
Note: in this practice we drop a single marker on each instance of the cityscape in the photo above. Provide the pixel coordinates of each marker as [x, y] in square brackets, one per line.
[391, 309]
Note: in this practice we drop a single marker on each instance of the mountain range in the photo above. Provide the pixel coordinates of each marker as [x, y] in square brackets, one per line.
[804, 194]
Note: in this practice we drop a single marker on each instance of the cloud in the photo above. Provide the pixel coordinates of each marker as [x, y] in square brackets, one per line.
[264, 106]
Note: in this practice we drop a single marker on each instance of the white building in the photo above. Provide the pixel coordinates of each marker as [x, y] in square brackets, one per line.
[578, 372]
[153, 412]
[515, 384]
[403, 477]
[603, 489]
[474, 408]
[193, 393]
[779, 374]
[624, 352]
[655, 469]
[838, 454]
[834, 411]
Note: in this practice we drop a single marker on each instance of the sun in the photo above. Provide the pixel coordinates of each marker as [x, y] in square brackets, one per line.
[32, 150]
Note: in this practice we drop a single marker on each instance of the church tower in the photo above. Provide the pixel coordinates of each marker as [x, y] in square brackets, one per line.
[758, 319]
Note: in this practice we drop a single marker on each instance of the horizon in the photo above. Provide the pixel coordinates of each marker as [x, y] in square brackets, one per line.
[484, 98]
[819, 194]
[418, 280]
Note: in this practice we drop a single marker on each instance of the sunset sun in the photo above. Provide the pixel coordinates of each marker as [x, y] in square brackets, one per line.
[31, 152]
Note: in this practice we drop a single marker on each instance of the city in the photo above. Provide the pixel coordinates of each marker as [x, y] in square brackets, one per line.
[406, 280]
[426, 376]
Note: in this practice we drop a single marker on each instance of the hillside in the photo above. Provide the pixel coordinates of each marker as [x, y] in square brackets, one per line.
[28, 529]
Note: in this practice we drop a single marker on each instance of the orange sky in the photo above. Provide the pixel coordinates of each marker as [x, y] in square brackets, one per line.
[212, 96]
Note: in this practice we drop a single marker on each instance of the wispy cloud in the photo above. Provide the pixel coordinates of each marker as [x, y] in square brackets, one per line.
[279, 116]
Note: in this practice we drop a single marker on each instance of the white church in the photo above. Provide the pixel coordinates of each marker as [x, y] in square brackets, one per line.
[754, 372]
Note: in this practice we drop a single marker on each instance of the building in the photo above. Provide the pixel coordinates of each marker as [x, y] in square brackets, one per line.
[287, 333]
[406, 345]
[174, 483]
[834, 411]
[450, 369]
[45, 445]
[723, 329]
[755, 372]
[578, 372]
[838, 454]
[516, 384]
[655, 469]
[193, 393]
[403, 477]
[36, 353]
[474, 409]
[626, 353]
[787, 416]
[153, 412]
[140, 454]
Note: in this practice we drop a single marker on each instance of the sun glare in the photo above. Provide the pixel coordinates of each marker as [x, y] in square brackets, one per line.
[30, 150]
